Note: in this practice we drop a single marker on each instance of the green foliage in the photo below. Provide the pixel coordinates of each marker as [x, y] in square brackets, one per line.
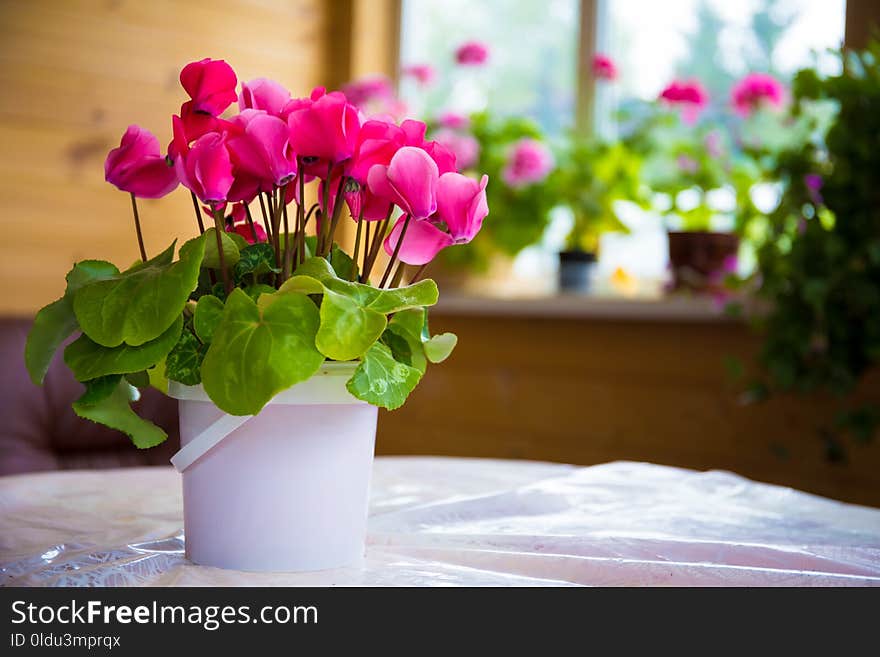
[110, 405]
[818, 264]
[184, 361]
[88, 360]
[139, 304]
[517, 217]
[590, 177]
[209, 311]
[255, 260]
[382, 380]
[231, 254]
[56, 322]
[258, 350]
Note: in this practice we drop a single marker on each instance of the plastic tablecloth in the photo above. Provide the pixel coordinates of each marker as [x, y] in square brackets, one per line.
[470, 522]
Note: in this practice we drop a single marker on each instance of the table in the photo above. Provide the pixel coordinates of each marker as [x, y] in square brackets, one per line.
[471, 522]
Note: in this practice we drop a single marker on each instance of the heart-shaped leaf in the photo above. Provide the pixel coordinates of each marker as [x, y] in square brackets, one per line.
[259, 350]
[256, 259]
[206, 317]
[381, 380]
[184, 360]
[347, 328]
[89, 360]
[438, 348]
[139, 304]
[57, 321]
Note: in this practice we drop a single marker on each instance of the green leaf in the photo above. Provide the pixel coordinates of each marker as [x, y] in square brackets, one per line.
[231, 253]
[255, 259]
[184, 361]
[157, 376]
[141, 303]
[260, 350]
[89, 360]
[209, 310]
[342, 264]
[407, 326]
[56, 322]
[113, 410]
[347, 328]
[424, 293]
[438, 348]
[99, 389]
[381, 380]
[258, 290]
[138, 379]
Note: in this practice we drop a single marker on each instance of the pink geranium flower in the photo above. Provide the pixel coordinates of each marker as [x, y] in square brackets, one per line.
[528, 162]
[263, 94]
[688, 95]
[756, 90]
[472, 53]
[138, 167]
[461, 208]
[603, 67]
[464, 147]
[211, 85]
[454, 121]
[424, 74]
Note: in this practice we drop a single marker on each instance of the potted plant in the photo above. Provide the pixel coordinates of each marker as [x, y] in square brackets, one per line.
[279, 345]
[591, 176]
[818, 266]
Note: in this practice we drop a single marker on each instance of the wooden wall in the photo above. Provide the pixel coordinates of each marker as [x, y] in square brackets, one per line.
[73, 75]
[593, 390]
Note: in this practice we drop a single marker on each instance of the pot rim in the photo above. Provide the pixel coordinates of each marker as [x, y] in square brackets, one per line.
[326, 386]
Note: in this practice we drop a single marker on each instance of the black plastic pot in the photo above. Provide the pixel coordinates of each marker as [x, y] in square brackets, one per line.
[576, 271]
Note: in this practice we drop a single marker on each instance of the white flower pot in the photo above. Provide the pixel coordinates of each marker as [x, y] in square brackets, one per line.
[288, 489]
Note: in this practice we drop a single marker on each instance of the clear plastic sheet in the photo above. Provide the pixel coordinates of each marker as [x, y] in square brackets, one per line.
[464, 522]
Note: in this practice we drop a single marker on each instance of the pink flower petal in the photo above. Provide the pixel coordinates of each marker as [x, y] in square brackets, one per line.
[421, 244]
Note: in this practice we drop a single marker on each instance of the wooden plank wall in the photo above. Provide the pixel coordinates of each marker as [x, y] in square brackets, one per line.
[589, 391]
[73, 75]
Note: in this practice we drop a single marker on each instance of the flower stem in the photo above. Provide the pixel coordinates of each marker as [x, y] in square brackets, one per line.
[337, 212]
[376, 244]
[398, 275]
[265, 217]
[218, 230]
[396, 251]
[137, 227]
[415, 278]
[198, 213]
[367, 244]
[288, 245]
[357, 242]
[250, 220]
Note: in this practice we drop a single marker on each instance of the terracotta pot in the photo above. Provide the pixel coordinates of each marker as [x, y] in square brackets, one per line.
[699, 260]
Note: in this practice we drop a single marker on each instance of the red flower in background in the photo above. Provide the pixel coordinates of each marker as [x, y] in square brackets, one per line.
[688, 95]
[472, 53]
[604, 68]
[755, 91]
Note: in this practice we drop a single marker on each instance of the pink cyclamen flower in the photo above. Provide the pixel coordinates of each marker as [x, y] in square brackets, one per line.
[529, 162]
[211, 85]
[138, 167]
[688, 95]
[263, 94]
[424, 74]
[409, 181]
[461, 208]
[377, 143]
[756, 90]
[464, 147]
[263, 148]
[604, 68]
[454, 121]
[472, 53]
[323, 130]
[206, 168]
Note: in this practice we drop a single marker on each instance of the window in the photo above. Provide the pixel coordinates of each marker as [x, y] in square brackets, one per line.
[533, 72]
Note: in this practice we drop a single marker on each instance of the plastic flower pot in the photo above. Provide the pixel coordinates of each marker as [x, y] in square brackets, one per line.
[287, 489]
[576, 271]
[700, 260]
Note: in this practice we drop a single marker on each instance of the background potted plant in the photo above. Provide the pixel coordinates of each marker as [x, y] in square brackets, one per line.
[591, 176]
[818, 265]
[278, 344]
